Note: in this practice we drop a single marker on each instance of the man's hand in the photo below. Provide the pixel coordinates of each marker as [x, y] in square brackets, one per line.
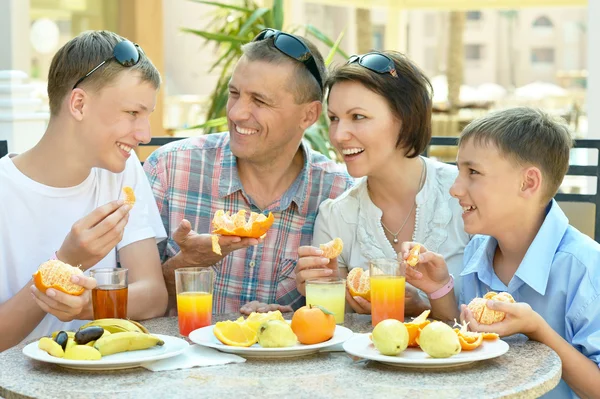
[94, 236]
[64, 306]
[430, 274]
[261, 307]
[312, 264]
[520, 318]
[196, 249]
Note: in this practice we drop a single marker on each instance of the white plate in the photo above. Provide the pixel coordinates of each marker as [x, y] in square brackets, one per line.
[173, 346]
[361, 346]
[204, 336]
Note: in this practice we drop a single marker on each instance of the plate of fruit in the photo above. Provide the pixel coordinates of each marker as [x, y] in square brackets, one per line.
[424, 344]
[104, 344]
[269, 335]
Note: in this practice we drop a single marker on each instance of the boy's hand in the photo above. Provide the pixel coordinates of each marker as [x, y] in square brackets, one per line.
[520, 318]
[312, 264]
[260, 307]
[64, 306]
[430, 274]
[94, 236]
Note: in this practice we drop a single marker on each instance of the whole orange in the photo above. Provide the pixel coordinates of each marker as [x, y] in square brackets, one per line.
[313, 324]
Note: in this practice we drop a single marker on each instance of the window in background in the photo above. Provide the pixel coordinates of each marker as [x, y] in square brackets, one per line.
[378, 37]
[474, 16]
[543, 22]
[473, 52]
[542, 55]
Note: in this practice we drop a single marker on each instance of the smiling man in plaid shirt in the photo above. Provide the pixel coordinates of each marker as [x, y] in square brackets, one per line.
[261, 165]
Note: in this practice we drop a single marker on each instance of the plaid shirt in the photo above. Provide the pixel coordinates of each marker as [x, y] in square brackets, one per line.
[193, 178]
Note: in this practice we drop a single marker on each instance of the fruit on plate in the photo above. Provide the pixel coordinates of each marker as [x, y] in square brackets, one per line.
[470, 340]
[82, 352]
[333, 248]
[485, 315]
[51, 346]
[256, 226]
[62, 338]
[413, 255]
[117, 325]
[85, 335]
[235, 333]
[276, 334]
[390, 337]
[255, 319]
[313, 324]
[414, 328]
[359, 283]
[125, 342]
[128, 195]
[56, 274]
[439, 340]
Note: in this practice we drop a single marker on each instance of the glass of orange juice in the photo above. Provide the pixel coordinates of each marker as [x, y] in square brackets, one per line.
[387, 289]
[194, 286]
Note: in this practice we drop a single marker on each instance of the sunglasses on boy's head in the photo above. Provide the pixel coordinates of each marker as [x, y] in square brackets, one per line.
[293, 47]
[125, 53]
[376, 62]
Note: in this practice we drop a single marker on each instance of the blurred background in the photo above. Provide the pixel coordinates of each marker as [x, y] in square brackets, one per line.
[480, 55]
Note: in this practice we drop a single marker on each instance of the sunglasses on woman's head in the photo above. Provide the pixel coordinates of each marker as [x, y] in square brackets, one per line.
[376, 62]
[125, 53]
[293, 47]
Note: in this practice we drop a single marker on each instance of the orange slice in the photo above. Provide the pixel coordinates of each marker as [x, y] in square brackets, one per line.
[359, 283]
[56, 274]
[216, 248]
[414, 328]
[256, 226]
[333, 248]
[235, 334]
[413, 255]
[129, 195]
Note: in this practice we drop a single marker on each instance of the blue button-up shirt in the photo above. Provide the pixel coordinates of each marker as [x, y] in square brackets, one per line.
[559, 277]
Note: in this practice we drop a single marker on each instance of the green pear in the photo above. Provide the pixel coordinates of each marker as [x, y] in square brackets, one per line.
[390, 337]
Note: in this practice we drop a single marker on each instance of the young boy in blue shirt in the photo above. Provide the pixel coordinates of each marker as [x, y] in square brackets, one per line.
[511, 164]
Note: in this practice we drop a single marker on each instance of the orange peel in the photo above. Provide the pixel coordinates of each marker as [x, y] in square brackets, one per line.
[415, 326]
[57, 275]
[256, 226]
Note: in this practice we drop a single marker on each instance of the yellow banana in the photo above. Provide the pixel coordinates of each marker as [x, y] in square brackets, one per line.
[126, 341]
[115, 325]
[141, 327]
[82, 352]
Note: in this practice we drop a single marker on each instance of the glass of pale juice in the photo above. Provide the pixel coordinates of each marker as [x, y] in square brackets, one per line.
[329, 293]
[194, 287]
[387, 280]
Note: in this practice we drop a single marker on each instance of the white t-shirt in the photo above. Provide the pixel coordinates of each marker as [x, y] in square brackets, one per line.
[357, 221]
[35, 219]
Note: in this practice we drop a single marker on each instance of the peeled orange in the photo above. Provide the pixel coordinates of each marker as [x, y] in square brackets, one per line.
[56, 274]
[485, 315]
[256, 226]
[333, 248]
[359, 283]
[129, 195]
[235, 334]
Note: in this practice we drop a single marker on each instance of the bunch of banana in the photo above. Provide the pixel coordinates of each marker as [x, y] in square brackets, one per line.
[99, 338]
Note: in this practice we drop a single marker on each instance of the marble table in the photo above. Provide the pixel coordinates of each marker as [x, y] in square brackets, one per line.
[528, 370]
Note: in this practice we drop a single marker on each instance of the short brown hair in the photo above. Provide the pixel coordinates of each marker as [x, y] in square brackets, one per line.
[84, 52]
[408, 95]
[305, 86]
[527, 136]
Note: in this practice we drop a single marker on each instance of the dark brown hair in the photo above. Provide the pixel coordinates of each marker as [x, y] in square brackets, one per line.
[304, 85]
[84, 52]
[526, 136]
[408, 95]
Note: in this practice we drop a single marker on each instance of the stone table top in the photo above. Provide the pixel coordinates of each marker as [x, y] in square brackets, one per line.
[528, 370]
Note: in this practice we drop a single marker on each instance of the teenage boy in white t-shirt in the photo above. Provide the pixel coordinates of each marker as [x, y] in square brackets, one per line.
[61, 198]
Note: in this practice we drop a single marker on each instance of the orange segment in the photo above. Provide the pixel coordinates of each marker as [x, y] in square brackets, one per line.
[359, 283]
[470, 344]
[216, 248]
[333, 248]
[236, 225]
[413, 255]
[56, 274]
[129, 195]
[235, 334]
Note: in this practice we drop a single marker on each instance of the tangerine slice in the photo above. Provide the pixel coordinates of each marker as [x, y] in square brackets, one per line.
[413, 255]
[56, 274]
[216, 248]
[359, 283]
[129, 195]
[333, 248]
[235, 334]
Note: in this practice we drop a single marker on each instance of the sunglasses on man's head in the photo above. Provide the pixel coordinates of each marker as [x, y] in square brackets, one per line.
[376, 62]
[293, 47]
[125, 53]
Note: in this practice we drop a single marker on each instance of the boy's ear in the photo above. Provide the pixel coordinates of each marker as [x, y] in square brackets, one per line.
[531, 185]
[312, 111]
[75, 103]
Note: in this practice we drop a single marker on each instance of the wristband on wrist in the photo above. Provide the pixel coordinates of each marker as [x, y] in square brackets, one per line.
[444, 290]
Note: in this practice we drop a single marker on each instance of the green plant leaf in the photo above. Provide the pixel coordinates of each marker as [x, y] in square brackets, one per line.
[334, 49]
[218, 37]
[251, 20]
[324, 39]
[222, 5]
[277, 12]
[322, 309]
